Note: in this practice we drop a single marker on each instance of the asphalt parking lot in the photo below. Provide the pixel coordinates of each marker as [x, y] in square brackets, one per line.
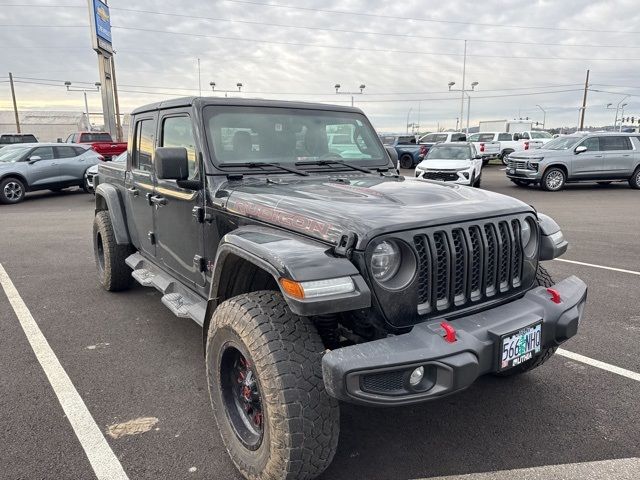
[130, 358]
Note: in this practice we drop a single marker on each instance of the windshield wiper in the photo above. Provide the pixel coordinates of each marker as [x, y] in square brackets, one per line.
[263, 164]
[334, 162]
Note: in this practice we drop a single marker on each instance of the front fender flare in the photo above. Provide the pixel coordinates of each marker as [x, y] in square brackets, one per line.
[286, 255]
[552, 241]
[108, 198]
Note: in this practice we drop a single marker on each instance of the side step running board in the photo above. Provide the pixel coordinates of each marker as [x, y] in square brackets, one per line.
[181, 301]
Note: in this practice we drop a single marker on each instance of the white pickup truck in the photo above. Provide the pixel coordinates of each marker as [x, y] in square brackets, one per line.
[486, 145]
[508, 143]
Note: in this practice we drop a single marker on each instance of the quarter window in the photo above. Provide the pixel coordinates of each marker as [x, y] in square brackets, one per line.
[143, 156]
[65, 152]
[504, 137]
[614, 143]
[178, 132]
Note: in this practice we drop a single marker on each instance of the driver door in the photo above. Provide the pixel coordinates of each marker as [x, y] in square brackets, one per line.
[44, 172]
[588, 164]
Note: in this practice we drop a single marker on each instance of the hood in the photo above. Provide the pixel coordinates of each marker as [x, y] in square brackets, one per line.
[444, 164]
[7, 165]
[366, 206]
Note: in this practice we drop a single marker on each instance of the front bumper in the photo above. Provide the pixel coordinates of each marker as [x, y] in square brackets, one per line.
[523, 174]
[376, 373]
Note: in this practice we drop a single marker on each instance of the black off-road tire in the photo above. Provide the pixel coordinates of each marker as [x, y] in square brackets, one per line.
[300, 421]
[543, 279]
[114, 274]
[553, 173]
[634, 181]
[406, 161]
[16, 189]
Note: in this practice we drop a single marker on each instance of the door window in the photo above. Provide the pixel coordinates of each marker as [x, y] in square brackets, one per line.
[143, 149]
[45, 153]
[614, 143]
[592, 144]
[178, 132]
[65, 152]
[524, 135]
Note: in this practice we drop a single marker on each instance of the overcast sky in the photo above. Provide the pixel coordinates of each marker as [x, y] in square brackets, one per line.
[413, 50]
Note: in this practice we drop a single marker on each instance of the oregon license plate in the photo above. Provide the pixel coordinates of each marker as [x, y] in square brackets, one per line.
[520, 346]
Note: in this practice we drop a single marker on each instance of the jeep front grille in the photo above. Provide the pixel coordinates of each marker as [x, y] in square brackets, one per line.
[464, 265]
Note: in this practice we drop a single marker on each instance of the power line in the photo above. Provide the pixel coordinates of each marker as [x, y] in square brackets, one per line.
[337, 47]
[363, 32]
[420, 19]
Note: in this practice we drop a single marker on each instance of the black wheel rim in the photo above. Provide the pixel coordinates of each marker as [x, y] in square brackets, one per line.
[241, 396]
[100, 252]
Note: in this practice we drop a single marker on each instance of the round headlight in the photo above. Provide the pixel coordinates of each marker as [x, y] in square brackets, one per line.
[529, 238]
[385, 260]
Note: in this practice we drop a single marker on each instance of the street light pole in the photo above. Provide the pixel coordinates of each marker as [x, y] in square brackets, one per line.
[464, 71]
[544, 116]
[464, 92]
[86, 103]
[361, 92]
[622, 115]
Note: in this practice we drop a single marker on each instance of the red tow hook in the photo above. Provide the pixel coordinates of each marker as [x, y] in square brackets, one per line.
[555, 295]
[449, 332]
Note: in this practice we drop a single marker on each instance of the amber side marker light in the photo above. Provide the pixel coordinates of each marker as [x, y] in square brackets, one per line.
[317, 288]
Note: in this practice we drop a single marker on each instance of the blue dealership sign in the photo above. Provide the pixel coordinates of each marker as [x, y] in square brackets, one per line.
[102, 20]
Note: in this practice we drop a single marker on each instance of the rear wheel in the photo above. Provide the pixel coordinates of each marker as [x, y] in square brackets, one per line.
[12, 190]
[553, 180]
[264, 369]
[406, 161]
[113, 272]
[634, 181]
[543, 279]
[504, 156]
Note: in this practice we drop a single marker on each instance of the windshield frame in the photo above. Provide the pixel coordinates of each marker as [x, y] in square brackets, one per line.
[210, 110]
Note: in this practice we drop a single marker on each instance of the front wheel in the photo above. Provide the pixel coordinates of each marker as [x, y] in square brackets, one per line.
[553, 180]
[543, 279]
[406, 161]
[634, 181]
[12, 190]
[264, 371]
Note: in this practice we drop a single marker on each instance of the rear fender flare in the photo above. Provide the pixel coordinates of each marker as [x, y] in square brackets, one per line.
[108, 198]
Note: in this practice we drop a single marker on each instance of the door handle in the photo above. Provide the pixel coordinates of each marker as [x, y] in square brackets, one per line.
[133, 191]
[157, 200]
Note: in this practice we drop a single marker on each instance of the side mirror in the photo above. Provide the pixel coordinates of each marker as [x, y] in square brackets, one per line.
[34, 159]
[580, 149]
[478, 157]
[172, 163]
[516, 137]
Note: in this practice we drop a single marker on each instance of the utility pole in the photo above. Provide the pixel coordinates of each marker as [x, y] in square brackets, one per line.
[584, 102]
[15, 105]
[199, 83]
[464, 71]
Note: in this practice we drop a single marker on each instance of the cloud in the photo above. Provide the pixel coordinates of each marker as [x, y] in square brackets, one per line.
[156, 59]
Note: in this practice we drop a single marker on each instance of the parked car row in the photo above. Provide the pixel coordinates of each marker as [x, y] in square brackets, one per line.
[602, 157]
[29, 167]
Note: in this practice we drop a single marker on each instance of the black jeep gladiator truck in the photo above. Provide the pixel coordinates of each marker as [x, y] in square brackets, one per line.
[321, 276]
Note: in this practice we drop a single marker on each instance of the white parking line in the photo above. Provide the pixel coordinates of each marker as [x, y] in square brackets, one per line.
[618, 469]
[598, 364]
[104, 462]
[632, 272]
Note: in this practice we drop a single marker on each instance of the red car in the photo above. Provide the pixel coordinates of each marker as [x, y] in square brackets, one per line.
[101, 142]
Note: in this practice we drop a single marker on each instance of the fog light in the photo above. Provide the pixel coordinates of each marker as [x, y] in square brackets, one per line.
[416, 376]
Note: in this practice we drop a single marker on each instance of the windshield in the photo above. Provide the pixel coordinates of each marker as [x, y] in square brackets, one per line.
[12, 154]
[288, 135]
[449, 152]
[481, 137]
[95, 137]
[562, 143]
[541, 135]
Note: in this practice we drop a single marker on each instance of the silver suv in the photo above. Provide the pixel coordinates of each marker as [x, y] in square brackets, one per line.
[599, 157]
